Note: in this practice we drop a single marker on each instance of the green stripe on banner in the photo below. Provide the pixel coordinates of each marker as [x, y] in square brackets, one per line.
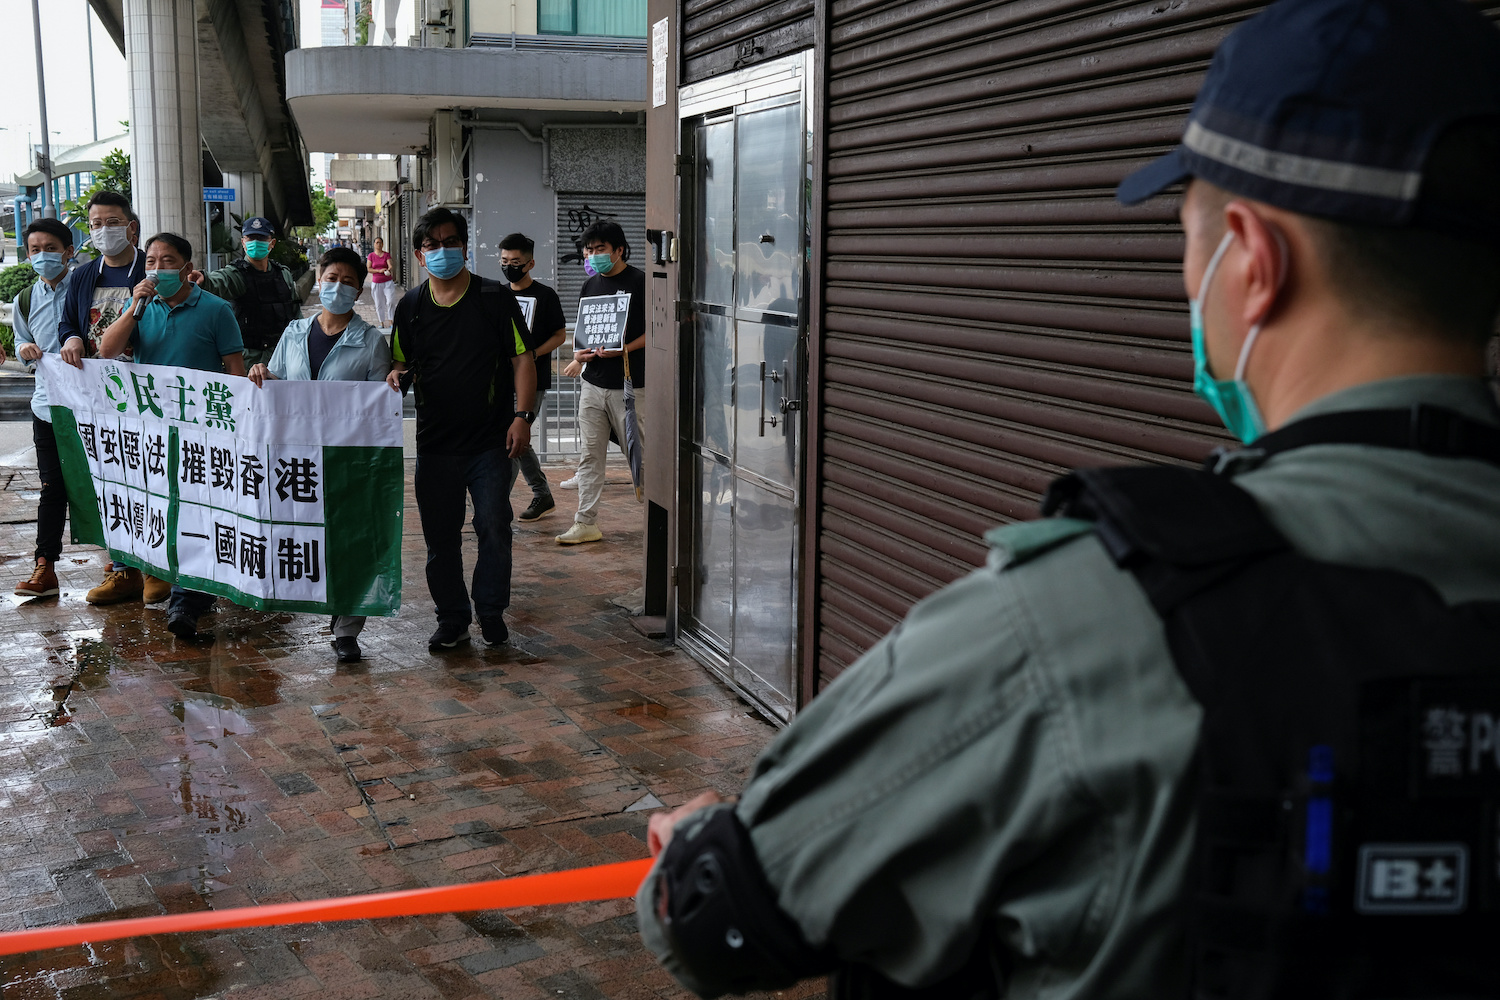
[83, 502]
[364, 495]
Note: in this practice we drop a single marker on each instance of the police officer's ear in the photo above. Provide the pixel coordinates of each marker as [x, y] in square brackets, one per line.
[1256, 266]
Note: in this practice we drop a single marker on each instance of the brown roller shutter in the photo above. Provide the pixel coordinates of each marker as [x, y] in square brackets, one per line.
[723, 35]
[992, 317]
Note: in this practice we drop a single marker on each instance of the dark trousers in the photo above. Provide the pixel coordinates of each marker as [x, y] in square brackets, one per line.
[52, 508]
[528, 465]
[192, 603]
[442, 483]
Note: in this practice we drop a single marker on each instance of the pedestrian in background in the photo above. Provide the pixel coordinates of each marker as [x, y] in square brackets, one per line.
[382, 283]
[462, 337]
[335, 345]
[601, 405]
[547, 328]
[35, 315]
[263, 292]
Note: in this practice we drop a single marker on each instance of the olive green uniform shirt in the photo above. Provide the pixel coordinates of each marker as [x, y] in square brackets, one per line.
[1014, 759]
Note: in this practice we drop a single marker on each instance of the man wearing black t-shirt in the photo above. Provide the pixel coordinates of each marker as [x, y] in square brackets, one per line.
[601, 406]
[547, 327]
[460, 336]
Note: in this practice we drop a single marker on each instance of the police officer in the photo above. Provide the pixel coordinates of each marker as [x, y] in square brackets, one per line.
[1220, 732]
[263, 292]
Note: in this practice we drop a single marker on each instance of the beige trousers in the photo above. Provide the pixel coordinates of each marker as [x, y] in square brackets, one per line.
[599, 411]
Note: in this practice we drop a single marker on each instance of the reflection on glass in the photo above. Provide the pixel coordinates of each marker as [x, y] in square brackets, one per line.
[714, 389]
[765, 606]
[770, 209]
[772, 454]
[715, 258]
[713, 547]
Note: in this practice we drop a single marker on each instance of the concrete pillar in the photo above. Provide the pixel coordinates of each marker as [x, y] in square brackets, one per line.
[166, 161]
[249, 191]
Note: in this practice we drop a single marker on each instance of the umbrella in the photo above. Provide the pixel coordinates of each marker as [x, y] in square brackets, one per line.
[632, 441]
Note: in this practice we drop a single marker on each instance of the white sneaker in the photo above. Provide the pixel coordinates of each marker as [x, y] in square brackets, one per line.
[569, 484]
[580, 533]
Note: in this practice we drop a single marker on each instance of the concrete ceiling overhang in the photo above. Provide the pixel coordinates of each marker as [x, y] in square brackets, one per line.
[242, 101]
[111, 14]
[377, 99]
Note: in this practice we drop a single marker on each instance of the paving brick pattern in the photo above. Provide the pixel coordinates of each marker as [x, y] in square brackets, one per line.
[141, 775]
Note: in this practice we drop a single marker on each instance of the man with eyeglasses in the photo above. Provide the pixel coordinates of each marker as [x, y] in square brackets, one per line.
[263, 292]
[98, 292]
[459, 342]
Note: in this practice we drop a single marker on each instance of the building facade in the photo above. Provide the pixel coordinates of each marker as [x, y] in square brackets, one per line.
[525, 117]
[897, 298]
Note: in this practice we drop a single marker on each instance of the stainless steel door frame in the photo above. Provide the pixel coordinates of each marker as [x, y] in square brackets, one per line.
[742, 468]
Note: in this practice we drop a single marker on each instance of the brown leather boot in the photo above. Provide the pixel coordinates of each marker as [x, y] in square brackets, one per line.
[119, 585]
[41, 583]
[155, 591]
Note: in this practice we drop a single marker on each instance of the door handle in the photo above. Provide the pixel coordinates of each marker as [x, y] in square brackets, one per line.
[774, 376]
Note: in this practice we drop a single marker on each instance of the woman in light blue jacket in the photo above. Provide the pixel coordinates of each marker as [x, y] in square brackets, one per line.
[334, 345]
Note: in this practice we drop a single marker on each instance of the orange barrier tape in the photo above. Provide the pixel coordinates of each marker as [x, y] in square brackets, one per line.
[617, 881]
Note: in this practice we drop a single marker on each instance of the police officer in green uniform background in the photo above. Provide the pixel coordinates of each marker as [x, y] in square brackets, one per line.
[1223, 732]
[263, 292]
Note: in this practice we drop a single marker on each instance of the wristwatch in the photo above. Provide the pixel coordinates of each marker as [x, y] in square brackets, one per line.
[527, 415]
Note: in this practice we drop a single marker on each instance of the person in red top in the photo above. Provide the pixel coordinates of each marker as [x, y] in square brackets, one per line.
[382, 288]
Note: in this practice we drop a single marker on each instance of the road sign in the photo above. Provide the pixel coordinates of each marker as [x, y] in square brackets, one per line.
[218, 194]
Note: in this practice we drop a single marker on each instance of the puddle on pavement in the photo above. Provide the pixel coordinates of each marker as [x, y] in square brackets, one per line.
[207, 718]
[649, 708]
[168, 967]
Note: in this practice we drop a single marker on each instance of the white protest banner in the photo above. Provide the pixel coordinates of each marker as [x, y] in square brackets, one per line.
[283, 498]
[601, 322]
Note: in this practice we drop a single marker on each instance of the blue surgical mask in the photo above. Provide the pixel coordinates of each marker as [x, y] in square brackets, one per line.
[601, 262]
[337, 297]
[443, 263]
[1231, 398]
[257, 249]
[168, 283]
[49, 265]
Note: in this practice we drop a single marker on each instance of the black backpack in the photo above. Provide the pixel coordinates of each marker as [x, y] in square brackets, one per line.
[1348, 838]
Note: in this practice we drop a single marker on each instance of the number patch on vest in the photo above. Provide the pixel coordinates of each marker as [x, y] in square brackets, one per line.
[1412, 879]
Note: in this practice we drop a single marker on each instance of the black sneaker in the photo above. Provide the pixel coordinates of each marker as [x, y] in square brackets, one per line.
[495, 631]
[540, 508]
[346, 647]
[448, 636]
[183, 626]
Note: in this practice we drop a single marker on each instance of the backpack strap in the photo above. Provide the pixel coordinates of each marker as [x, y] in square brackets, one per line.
[1432, 430]
[23, 301]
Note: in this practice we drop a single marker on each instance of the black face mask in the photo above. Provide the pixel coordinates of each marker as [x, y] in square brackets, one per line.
[513, 272]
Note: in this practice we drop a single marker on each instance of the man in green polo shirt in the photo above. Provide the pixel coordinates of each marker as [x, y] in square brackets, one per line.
[178, 325]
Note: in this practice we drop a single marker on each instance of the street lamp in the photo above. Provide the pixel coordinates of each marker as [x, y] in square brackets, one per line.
[49, 210]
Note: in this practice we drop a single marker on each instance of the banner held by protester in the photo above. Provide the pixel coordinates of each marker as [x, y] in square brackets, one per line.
[282, 498]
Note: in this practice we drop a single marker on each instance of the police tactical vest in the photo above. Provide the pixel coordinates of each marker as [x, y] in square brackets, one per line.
[1348, 838]
[267, 305]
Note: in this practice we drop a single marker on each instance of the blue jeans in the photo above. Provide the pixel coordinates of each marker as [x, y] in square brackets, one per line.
[442, 482]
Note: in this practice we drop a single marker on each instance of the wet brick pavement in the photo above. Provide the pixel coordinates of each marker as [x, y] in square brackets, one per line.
[141, 775]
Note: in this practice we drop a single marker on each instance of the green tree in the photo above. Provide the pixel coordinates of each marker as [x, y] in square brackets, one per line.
[12, 280]
[324, 212]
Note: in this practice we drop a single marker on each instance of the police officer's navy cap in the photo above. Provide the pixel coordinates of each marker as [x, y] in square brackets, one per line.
[1331, 107]
[258, 225]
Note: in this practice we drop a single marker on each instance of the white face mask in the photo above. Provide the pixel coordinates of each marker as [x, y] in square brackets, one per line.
[110, 240]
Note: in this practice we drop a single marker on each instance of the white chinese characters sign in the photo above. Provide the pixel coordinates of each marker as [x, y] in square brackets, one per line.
[287, 497]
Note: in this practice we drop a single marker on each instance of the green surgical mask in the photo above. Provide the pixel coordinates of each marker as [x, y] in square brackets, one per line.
[257, 249]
